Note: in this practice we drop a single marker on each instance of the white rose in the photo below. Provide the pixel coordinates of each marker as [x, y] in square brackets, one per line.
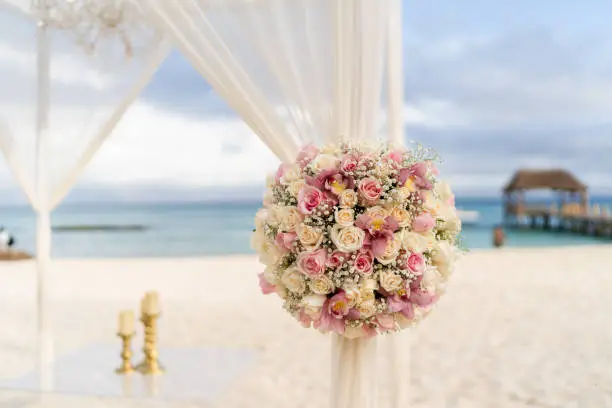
[281, 290]
[431, 239]
[348, 198]
[268, 199]
[293, 173]
[377, 212]
[313, 304]
[390, 281]
[347, 239]
[367, 309]
[345, 216]
[401, 215]
[443, 257]
[294, 280]
[258, 238]
[411, 241]
[270, 181]
[431, 278]
[295, 187]
[270, 275]
[322, 286]
[324, 162]
[290, 218]
[391, 251]
[310, 237]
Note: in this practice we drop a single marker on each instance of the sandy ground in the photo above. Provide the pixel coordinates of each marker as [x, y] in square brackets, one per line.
[517, 328]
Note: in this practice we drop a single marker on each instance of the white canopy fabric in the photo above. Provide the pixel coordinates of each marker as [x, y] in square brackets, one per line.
[57, 106]
[299, 71]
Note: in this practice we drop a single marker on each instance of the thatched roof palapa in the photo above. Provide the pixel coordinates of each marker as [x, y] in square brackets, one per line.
[560, 180]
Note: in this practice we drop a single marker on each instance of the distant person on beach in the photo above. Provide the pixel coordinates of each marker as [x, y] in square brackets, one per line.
[6, 239]
[499, 237]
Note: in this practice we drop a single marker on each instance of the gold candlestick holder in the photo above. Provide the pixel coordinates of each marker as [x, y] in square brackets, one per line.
[150, 365]
[126, 354]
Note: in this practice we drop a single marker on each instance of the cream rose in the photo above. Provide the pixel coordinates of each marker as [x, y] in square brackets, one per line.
[347, 239]
[391, 251]
[443, 257]
[290, 217]
[324, 162]
[348, 198]
[344, 216]
[353, 294]
[411, 241]
[313, 304]
[322, 285]
[390, 281]
[369, 285]
[275, 215]
[269, 253]
[377, 212]
[401, 215]
[270, 275]
[295, 187]
[450, 219]
[310, 237]
[367, 309]
[293, 173]
[261, 218]
[294, 280]
[444, 192]
[431, 278]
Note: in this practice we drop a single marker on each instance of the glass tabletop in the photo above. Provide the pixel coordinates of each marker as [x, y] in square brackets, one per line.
[194, 377]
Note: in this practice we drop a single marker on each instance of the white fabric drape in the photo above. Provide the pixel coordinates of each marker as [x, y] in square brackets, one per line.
[283, 66]
[397, 346]
[57, 106]
[296, 71]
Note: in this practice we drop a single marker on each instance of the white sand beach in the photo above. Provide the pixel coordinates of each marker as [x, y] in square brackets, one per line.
[517, 328]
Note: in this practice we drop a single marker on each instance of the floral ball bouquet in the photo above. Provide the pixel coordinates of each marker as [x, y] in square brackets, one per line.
[357, 239]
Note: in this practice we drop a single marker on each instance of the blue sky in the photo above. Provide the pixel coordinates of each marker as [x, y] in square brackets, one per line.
[491, 85]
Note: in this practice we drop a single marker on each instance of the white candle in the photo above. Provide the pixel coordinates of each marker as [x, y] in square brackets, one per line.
[126, 322]
[151, 303]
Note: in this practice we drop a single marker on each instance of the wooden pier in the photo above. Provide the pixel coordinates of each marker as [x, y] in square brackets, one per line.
[597, 225]
[570, 212]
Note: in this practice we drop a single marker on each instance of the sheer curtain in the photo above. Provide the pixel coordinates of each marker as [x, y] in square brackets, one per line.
[296, 71]
[61, 96]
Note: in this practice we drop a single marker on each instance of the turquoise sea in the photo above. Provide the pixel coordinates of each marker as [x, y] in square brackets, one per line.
[196, 229]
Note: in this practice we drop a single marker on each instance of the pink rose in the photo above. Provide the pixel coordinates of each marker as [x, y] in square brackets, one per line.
[423, 223]
[339, 305]
[385, 321]
[280, 171]
[309, 198]
[370, 189]
[306, 155]
[285, 240]
[363, 262]
[265, 286]
[336, 259]
[422, 298]
[312, 263]
[349, 164]
[396, 156]
[416, 263]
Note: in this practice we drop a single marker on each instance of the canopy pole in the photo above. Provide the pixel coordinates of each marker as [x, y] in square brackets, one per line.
[395, 73]
[43, 224]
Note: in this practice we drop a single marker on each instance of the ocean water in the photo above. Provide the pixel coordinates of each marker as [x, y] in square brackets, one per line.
[196, 229]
